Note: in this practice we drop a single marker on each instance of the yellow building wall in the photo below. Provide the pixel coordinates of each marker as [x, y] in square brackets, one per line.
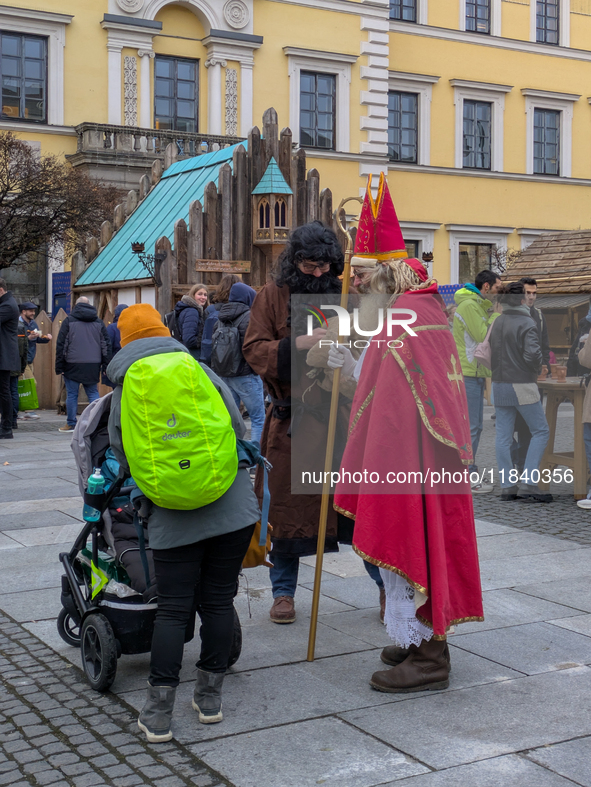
[420, 194]
[306, 28]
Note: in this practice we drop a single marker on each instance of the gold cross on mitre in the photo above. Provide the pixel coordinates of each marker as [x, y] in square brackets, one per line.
[456, 377]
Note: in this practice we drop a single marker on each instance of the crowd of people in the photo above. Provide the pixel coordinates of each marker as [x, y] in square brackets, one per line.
[414, 385]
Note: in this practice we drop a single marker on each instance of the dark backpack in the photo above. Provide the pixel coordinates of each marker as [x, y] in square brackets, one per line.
[226, 350]
[170, 322]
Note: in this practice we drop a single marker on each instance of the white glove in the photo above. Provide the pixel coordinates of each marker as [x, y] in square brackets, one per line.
[340, 357]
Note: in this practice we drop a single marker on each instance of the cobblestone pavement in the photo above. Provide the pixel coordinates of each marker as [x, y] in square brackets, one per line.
[55, 730]
[562, 518]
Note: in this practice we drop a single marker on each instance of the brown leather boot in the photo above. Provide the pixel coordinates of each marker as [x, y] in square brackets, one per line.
[393, 655]
[424, 669]
[382, 604]
[283, 610]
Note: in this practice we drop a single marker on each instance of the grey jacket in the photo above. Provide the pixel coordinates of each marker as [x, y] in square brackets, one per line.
[168, 528]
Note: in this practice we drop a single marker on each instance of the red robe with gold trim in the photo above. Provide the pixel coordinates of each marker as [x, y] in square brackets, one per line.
[410, 415]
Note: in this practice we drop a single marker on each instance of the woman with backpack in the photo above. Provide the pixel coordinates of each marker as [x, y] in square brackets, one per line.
[228, 361]
[189, 315]
[201, 509]
[212, 313]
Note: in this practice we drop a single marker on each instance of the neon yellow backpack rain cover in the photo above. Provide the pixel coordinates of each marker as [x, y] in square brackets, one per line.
[177, 433]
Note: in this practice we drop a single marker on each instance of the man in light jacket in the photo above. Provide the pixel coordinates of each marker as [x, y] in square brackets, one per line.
[470, 326]
[83, 348]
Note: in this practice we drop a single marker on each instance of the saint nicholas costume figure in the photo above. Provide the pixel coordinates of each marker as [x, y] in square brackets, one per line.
[404, 476]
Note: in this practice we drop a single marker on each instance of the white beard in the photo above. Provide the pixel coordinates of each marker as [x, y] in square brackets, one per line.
[369, 307]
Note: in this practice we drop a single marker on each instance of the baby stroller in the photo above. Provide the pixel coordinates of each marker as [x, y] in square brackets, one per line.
[109, 595]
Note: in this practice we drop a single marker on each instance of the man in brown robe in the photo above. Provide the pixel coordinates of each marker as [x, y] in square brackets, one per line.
[276, 341]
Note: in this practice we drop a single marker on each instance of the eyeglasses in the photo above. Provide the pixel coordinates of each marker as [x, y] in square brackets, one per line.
[359, 273]
[310, 267]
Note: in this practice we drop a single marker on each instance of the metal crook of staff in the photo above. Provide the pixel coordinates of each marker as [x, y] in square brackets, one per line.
[332, 424]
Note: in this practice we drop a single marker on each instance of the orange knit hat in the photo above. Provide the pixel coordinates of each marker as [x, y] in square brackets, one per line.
[141, 321]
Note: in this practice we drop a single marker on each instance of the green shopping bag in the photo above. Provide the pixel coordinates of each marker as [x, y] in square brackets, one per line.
[27, 395]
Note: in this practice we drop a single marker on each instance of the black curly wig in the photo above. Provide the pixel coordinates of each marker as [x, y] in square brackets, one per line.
[317, 243]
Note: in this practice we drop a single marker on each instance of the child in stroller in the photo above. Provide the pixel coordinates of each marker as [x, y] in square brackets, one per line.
[108, 590]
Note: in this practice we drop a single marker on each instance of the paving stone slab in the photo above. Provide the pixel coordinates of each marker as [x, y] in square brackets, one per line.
[531, 648]
[573, 592]
[517, 544]
[509, 771]
[580, 624]
[18, 490]
[359, 592]
[40, 519]
[324, 751]
[35, 556]
[507, 607]
[344, 563]
[458, 727]
[8, 543]
[268, 644]
[571, 759]
[527, 570]
[260, 699]
[26, 506]
[364, 624]
[31, 605]
[486, 528]
[44, 536]
[262, 600]
[31, 577]
[355, 670]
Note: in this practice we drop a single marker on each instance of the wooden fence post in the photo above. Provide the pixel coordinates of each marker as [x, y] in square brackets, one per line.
[226, 213]
[313, 190]
[195, 241]
[181, 250]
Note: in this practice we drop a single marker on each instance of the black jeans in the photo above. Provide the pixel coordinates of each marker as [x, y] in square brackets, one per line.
[207, 572]
[5, 402]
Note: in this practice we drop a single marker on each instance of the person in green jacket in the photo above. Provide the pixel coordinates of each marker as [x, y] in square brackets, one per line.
[470, 326]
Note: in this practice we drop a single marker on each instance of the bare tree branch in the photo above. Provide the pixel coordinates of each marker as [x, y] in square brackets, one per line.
[44, 201]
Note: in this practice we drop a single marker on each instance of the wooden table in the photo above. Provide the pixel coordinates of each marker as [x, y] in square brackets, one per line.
[558, 392]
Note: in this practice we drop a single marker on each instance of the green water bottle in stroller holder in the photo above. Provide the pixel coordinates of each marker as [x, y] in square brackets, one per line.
[96, 485]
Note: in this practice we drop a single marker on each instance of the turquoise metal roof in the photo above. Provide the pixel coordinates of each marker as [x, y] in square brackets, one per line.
[273, 181]
[169, 200]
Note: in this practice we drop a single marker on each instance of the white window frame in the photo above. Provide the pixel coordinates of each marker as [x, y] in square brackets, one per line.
[481, 91]
[472, 233]
[561, 102]
[53, 27]
[422, 7]
[424, 233]
[495, 18]
[563, 23]
[333, 63]
[422, 84]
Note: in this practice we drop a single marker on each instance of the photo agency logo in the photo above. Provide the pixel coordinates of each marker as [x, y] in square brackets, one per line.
[390, 317]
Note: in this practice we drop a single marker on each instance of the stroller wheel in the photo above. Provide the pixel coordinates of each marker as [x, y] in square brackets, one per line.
[99, 652]
[236, 641]
[68, 629]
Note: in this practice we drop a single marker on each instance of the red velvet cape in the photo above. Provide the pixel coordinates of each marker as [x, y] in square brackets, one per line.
[410, 414]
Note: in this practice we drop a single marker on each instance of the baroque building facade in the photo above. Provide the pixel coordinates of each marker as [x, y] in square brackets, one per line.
[479, 110]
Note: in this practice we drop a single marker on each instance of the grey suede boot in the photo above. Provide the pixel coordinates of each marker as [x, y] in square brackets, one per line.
[207, 697]
[156, 715]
